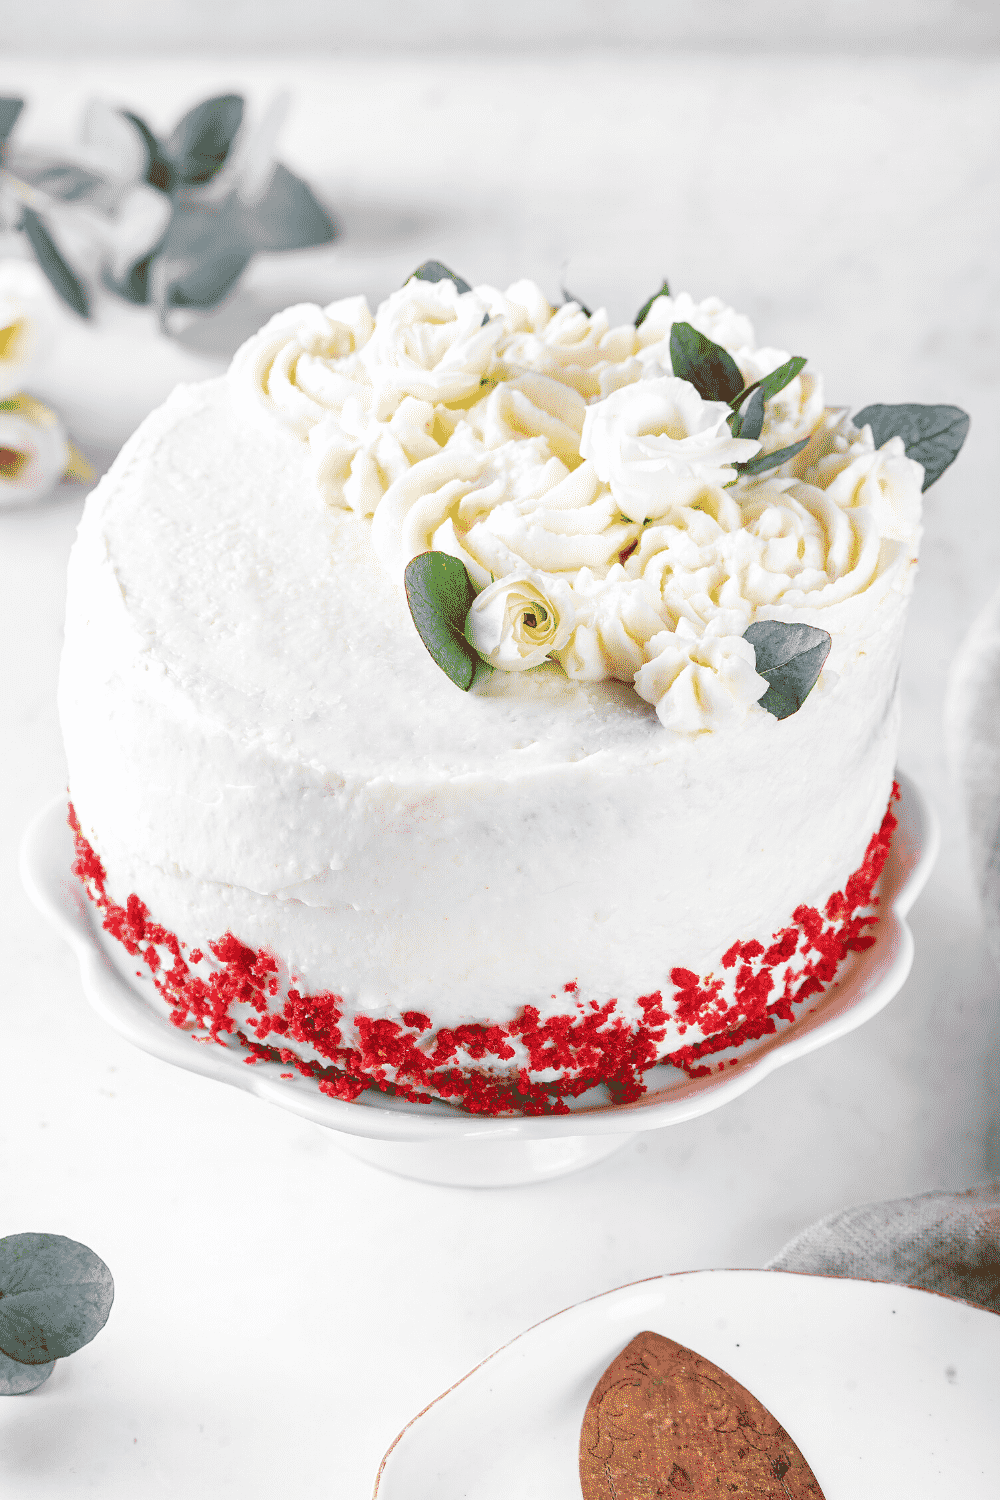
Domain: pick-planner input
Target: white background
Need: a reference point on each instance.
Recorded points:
(853, 26)
(281, 1310)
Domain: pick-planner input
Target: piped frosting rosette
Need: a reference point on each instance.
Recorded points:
(596, 499)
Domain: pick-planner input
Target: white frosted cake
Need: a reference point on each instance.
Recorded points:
(621, 844)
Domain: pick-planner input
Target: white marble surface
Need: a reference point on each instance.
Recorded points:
(282, 1309)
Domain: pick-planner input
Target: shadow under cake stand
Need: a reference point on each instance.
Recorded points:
(439, 1142)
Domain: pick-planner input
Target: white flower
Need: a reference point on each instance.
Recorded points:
(28, 323)
(657, 442)
(700, 682)
(430, 341)
(519, 620)
(34, 450)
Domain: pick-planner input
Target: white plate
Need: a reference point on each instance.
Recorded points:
(890, 1393)
(482, 1150)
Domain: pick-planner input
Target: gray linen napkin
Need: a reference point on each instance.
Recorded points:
(945, 1242)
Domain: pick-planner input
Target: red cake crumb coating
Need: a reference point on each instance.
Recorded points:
(592, 1044)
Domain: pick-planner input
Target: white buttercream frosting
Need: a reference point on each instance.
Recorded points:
(540, 443)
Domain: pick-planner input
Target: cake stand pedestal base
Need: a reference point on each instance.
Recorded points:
(475, 1162)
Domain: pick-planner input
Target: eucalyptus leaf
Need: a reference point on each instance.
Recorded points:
(117, 140)
(70, 182)
(782, 376)
(204, 252)
(159, 171)
(200, 142)
(55, 1296)
(17, 1379)
(764, 461)
(134, 285)
(287, 217)
(643, 312)
(440, 593)
(791, 658)
(750, 420)
(568, 297)
(10, 108)
(932, 435)
(433, 270)
(709, 368)
(63, 280)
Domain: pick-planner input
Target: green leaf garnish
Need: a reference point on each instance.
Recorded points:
(63, 280)
(932, 435)
(433, 270)
(55, 1296)
(568, 297)
(201, 140)
(159, 168)
(775, 382)
(764, 461)
(288, 217)
(201, 257)
(134, 285)
(10, 108)
(748, 422)
(440, 594)
(709, 368)
(643, 312)
(791, 658)
(17, 1379)
(782, 376)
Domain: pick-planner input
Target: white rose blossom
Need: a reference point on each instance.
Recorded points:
(656, 443)
(35, 452)
(520, 620)
(29, 321)
(700, 682)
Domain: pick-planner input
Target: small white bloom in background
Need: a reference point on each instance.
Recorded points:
(657, 442)
(29, 320)
(700, 682)
(35, 452)
(430, 341)
(519, 620)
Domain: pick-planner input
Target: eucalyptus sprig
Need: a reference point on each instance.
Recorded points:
(932, 435)
(55, 1296)
(791, 658)
(179, 217)
(439, 593)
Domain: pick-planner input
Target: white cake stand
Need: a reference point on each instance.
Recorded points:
(437, 1142)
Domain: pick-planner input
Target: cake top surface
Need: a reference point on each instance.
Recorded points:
(273, 616)
(618, 542)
